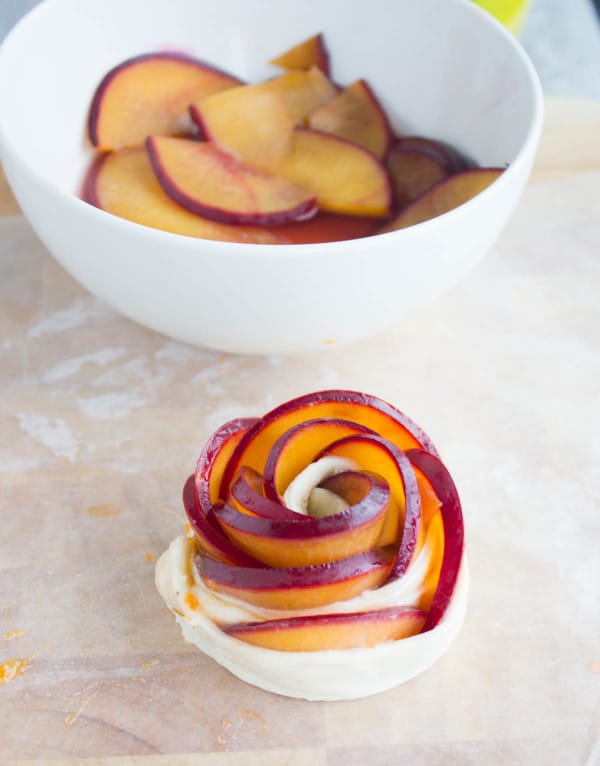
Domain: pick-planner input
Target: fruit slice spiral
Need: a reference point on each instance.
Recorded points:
(395, 504)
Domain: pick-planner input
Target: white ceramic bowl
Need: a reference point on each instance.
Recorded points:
(442, 68)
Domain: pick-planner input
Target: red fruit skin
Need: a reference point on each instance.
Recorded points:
(88, 187)
(210, 451)
(298, 526)
(207, 528)
(267, 578)
(339, 621)
(452, 519)
(412, 508)
(342, 396)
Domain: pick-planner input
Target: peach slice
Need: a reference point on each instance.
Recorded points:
(308, 53)
(344, 177)
(369, 450)
(250, 122)
(315, 633)
(291, 539)
(123, 183)
(209, 182)
(362, 409)
(443, 486)
(149, 95)
(356, 115)
(413, 173)
(444, 196)
(297, 587)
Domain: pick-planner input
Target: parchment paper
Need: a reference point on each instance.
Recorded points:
(102, 420)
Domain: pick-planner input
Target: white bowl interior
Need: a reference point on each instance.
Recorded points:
(438, 66)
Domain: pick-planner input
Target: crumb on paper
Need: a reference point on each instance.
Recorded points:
(12, 634)
(149, 557)
(13, 668)
(329, 342)
(595, 667)
(225, 726)
(251, 715)
(172, 512)
(104, 510)
(150, 664)
(70, 718)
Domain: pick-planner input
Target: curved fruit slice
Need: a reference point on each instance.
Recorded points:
(302, 92)
(149, 95)
(208, 535)
(250, 122)
(123, 183)
(298, 447)
(444, 196)
(368, 450)
(214, 458)
(301, 541)
(363, 409)
(297, 587)
(453, 160)
(344, 177)
(316, 633)
(444, 487)
(356, 115)
(308, 53)
(413, 173)
(211, 183)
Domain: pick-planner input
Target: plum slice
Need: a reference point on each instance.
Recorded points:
(308, 53)
(315, 633)
(412, 173)
(443, 485)
(444, 196)
(355, 114)
(212, 183)
(344, 177)
(453, 160)
(123, 183)
(250, 122)
(260, 530)
(297, 587)
(149, 95)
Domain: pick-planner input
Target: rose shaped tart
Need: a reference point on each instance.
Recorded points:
(325, 554)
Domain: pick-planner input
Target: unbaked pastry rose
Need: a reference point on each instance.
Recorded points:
(325, 557)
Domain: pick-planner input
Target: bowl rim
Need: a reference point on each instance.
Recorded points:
(527, 147)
